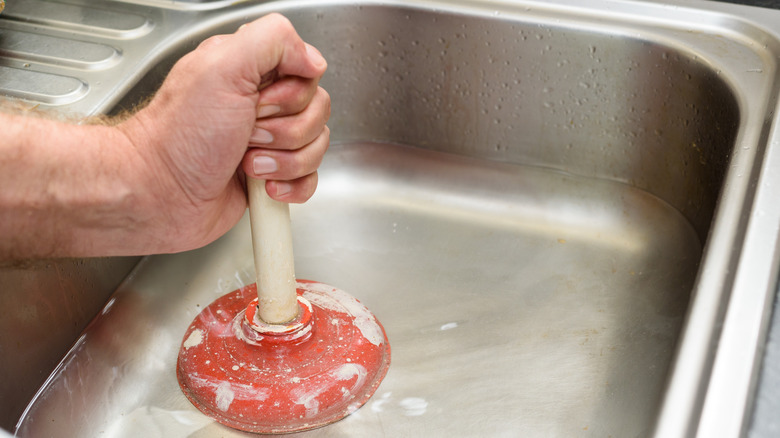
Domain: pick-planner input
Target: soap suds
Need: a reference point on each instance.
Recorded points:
(363, 318)
(225, 396)
(414, 406)
(378, 404)
(195, 338)
(449, 326)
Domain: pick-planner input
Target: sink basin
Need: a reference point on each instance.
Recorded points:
(560, 211)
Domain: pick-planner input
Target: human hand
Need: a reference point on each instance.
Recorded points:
(209, 126)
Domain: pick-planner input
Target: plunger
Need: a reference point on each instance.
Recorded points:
(281, 355)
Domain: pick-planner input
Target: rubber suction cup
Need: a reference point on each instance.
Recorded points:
(282, 378)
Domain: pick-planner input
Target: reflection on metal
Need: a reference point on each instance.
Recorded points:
(41, 87)
(581, 212)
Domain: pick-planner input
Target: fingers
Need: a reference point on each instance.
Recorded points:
(294, 191)
(292, 131)
(289, 137)
(289, 95)
(268, 43)
(296, 167)
(283, 49)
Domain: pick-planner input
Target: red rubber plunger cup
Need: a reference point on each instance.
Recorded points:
(281, 356)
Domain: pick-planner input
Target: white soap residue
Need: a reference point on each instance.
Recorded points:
(241, 391)
(378, 403)
(414, 406)
(307, 396)
(225, 392)
(195, 338)
(350, 370)
(308, 399)
(225, 396)
(326, 296)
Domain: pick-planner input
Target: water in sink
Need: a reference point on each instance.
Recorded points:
(528, 301)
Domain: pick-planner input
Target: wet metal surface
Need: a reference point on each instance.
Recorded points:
(549, 309)
(556, 209)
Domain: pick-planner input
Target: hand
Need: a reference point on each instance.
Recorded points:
(209, 126)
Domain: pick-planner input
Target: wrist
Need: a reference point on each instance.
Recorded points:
(95, 193)
(156, 202)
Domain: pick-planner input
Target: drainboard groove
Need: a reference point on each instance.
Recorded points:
(32, 47)
(78, 19)
(35, 86)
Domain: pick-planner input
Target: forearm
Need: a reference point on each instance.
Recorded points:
(67, 190)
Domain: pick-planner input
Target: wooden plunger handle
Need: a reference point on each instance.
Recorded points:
(272, 247)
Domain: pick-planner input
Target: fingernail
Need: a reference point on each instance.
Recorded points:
(263, 165)
(267, 110)
(315, 55)
(261, 136)
(283, 188)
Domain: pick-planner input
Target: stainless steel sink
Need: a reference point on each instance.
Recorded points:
(564, 214)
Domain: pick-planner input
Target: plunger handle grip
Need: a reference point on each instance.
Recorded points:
(272, 247)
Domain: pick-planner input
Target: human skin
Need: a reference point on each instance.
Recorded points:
(171, 177)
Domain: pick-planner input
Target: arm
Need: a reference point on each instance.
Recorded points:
(66, 189)
(170, 177)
